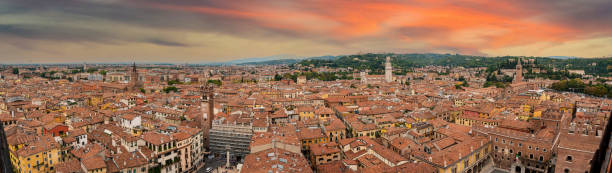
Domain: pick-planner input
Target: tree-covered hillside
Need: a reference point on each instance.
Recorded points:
(404, 62)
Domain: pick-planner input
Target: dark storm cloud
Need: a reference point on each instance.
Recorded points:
(153, 14)
(76, 34)
(590, 15)
(51, 32)
(464, 26)
(165, 42)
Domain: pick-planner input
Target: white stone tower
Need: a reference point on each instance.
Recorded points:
(388, 70)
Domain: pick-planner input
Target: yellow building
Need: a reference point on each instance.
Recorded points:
(310, 136)
(324, 113)
(95, 100)
(306, 112)
(467, 120)
(468, 156)
(335, 130)
(526, 108)
(324, 153)
(39, 156)
(368, 130)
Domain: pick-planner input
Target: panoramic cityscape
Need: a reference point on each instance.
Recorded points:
(462, 86)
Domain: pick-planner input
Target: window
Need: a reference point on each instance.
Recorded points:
(495, 139)
(530, 156)
(544, 149)
(520, 145)
(541, 158)
(529, 147)
(568, 158)
(511, 151)
(566, 170)
(537, 148)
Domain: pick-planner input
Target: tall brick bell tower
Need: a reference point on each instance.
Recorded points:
(208, 110)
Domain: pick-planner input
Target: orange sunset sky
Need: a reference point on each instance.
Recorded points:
(193, 31)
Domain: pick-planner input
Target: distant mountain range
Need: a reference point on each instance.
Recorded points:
(291, 59)
(271, 60)
(563, 57)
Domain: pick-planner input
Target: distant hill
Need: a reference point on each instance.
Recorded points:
(271, 61)
(563, 57)
(403, 63)
(254, 60)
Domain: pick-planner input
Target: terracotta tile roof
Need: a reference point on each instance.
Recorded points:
(324, 149)
(129, 160)
(92, 163)
(310, 133)
(156, 138)
(70, 166)
(276, 160)
(444, 143)
(43, 143)
(335, 125)
(89, 150)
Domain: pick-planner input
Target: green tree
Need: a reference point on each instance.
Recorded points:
(461, 78)
(15, 70)
(277, 77)
(170, 88)
(216, 82)
(172, 82)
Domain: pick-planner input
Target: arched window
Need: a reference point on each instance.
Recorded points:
(568, 158)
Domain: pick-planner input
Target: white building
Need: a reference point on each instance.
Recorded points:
(131, 121)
